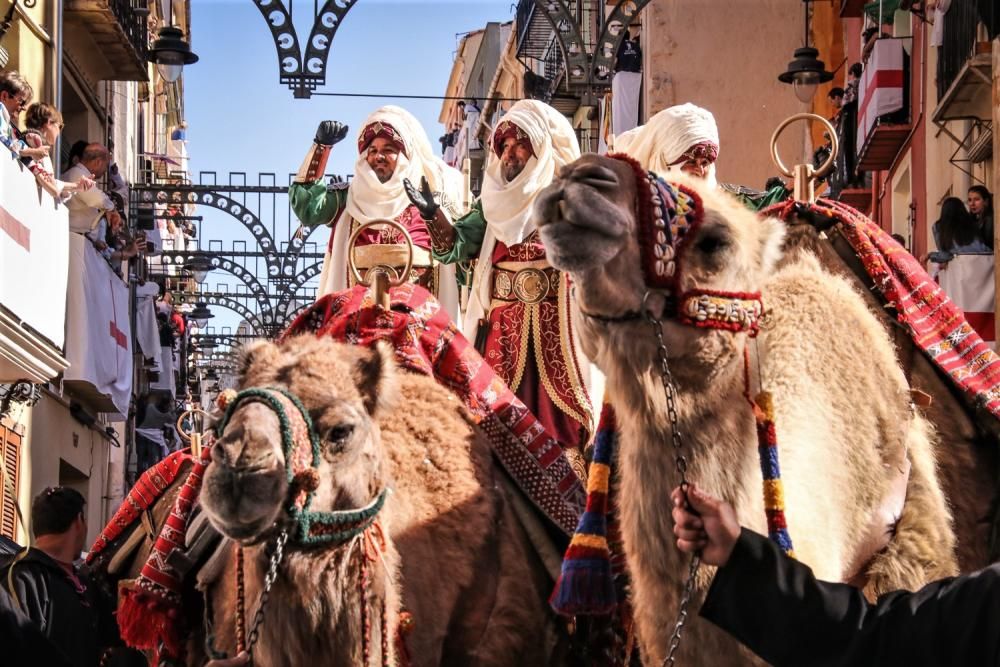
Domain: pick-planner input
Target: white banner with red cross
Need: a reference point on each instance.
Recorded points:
(98, 334)
(880, 90)
(33, 250)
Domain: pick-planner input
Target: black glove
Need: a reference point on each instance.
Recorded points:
(423, 200)
(330, 132)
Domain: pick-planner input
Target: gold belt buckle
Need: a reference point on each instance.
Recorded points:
(531, 285)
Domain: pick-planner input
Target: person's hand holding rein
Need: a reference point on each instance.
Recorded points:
(708, 526)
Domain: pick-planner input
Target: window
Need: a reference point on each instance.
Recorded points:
(10, 448)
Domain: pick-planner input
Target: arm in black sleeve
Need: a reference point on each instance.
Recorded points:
(778, 609)
(23, 643)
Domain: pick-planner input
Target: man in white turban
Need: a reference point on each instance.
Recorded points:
(518, 312)
(683, 137)
(392, 146)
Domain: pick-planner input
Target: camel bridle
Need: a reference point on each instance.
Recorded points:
(336, 529)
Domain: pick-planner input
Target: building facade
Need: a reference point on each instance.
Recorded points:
(67, 321)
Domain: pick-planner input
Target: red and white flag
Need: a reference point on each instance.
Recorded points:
(880, 90)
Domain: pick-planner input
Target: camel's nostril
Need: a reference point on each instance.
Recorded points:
(562, 208)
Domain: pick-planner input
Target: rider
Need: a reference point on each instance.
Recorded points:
(391, 146)
(518, 313)
(679, 138)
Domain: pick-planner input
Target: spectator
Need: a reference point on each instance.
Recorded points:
(15, 94)
(75, 153)
(776, 607)
(847, 175)
(48, 587)
(87, 208)
(154, 413)
(836, 97)
(853, 81)
(981, 207)
(43, 123)
(898, 238)
(956, 233)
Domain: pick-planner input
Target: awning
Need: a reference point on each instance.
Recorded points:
(968, 97)
(889, 8)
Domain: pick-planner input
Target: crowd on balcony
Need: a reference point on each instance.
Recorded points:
(461, 138)
(97, 214)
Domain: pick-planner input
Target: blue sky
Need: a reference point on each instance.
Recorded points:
(241, 119)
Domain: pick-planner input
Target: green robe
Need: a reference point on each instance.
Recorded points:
(317, 204)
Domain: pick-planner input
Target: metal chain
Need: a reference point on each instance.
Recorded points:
(272, 574)
(681, 464)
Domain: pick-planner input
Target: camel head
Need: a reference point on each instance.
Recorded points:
(602, 220)
(247, 488)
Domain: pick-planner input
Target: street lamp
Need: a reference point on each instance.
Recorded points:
(201, 315)
(199, 266)
(170, 52)
(806, 71)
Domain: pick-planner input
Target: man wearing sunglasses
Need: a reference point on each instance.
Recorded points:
(15, 94)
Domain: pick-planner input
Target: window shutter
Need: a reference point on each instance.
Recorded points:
(10, 448)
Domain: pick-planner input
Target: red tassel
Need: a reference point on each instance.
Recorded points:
(145, 621)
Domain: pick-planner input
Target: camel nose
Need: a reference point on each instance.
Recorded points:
(593, 175)
(249, 439)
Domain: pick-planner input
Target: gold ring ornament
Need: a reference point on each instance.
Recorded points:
(804, 175)
(194, 437)
(381, 276)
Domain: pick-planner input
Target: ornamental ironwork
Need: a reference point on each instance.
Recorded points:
(272, 275)
(588, 64)
(302, 64)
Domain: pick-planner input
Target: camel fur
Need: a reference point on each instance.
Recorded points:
(843, 414)
(457, 559)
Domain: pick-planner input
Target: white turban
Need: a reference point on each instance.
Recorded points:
(667, 136)
(369, 199)
(507, 206)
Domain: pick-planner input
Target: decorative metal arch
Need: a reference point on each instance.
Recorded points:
(589, 70)
(202, 195)
(259, 323)
(257, 291)
(300, 279)
(303, 72)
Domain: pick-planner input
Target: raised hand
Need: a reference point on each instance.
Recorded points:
(423, 200)
(330, 132)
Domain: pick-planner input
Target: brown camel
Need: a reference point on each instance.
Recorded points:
(457, 559)
(844, 420)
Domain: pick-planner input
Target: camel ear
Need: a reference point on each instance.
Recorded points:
(376, 378)
(252, 353)
(772, 242)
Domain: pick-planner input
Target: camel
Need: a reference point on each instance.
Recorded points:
(842, 407)
(454, 556)
(967, 442)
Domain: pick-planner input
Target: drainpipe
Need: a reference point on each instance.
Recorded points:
(58, 45)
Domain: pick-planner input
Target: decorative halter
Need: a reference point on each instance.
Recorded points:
(668, 217)
(300, 445)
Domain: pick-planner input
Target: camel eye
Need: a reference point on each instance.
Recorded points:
(338, 435)
(712, 243)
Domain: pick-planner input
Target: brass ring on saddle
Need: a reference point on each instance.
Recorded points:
(397, 278)
(804, 175)
(194, 437)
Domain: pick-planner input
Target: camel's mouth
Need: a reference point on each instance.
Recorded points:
(579, 227)
(244, 501)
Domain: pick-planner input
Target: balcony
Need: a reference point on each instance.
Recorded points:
(884, 122)
(34, 246)
(110, 36)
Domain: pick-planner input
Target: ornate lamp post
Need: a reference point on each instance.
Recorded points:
(806, 71)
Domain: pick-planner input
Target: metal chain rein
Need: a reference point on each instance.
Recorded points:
(265, 596)
(681, 464)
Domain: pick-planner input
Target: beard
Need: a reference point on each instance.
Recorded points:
(512, 170)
